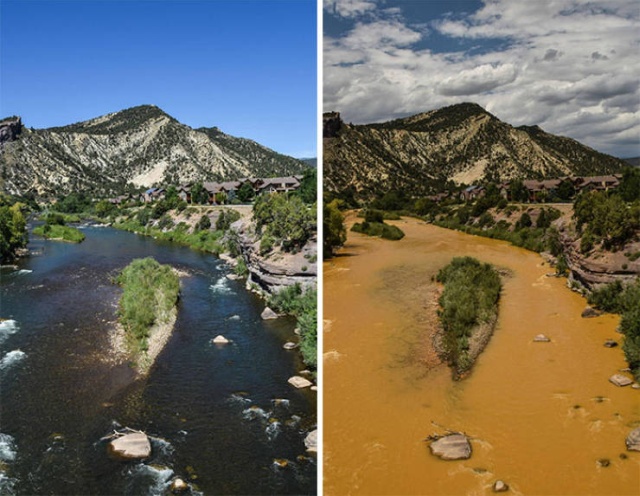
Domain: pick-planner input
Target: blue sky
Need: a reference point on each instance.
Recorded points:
(569, 66)
(245, 66)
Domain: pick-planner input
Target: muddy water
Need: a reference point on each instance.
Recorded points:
(540, 415)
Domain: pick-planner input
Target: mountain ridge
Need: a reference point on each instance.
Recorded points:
(462, 143)
(140, 146)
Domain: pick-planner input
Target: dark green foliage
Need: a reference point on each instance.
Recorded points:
(144, 216)
(624, 299)
(379, 229)
(523, 221)
(74, 203)
(104, 209)
(226, 218)
(199, 195)
(371, 215)
(54, 219)
(470, 297)
(302, 304)
(607, 217)
(334, 232)
(13, 232)
(286, 219)
(203, 224)
(629, 188)
(553, 241)
(308, 189)
(391, 200)
(518, 192)
(245, 193)
(150, 293)
(565, 191)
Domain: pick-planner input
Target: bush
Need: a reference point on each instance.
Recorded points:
(226, 218)
(470, 297)
(150, 293)
(203, 224)
(58, 232)
(335, 234)
(288, 220)
(378, 229)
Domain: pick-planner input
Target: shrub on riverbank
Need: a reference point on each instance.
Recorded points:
(150, 293)
(13, 228)
(56, 231)
(469, 299)
(300, 303)
(379, 229)
(625, 300)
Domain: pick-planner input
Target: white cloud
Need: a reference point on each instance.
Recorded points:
(570, 66)
(349, 8)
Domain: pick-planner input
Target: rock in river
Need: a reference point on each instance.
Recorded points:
(289, 345)
(620, 380)
(299, 382)
(633, 440)
(541, 338)
(134, 446)
(610, 343)
(589, 312)
(267, 314)
(220, 339)
(452, 447)
(500, 487)
(311, 441)
(178, 486)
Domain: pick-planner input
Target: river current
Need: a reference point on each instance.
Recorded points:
(219, 416)
(542, 417)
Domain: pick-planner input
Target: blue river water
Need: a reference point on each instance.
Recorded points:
(219, 416)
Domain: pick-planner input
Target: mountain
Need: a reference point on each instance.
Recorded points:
(142, 145)
(311, 162)
(463, 143)
(635, 161)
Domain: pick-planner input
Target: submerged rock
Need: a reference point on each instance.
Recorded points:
(620, 380)
(610, 343)
(311, 441)
(267, 314)
(633, 440)
(590, 312)
(299, 382)
(289, 345)
(452, 447)
(541, 338)
(500, 487)
(178, 486)
(135, 446)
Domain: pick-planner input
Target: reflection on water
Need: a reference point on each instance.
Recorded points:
(60, 393)
(540, 415)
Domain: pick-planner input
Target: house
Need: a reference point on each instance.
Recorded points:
(152, 194)
(472, 192)
(599, 183)
(184, 192)
(279, 185)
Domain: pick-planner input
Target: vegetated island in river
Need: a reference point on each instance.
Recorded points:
(55, 228)
(468, 313)
(374, 225)
(147, 310)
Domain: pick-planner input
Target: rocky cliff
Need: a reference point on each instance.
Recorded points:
(10, 128)
(463, 143)
(278, 269)
(143, 146)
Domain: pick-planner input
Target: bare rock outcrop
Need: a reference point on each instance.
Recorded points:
(134, 446)
(10, 128)
(452, 447)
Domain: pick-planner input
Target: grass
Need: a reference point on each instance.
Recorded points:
(150, 293)
(58, 232)
(469, 300)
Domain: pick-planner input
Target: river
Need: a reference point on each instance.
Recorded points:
(540, 415)
(210, 409)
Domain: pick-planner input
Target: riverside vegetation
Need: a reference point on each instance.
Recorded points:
(55, 228)
(13, 227)
(469, 310)
(374, 225)
(283, 222)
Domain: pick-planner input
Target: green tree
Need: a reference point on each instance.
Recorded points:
(246, 193)
(13, 233)
(308, 189)
(335, 233)
(199, 195)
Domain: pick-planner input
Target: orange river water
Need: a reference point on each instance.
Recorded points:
(539, 415)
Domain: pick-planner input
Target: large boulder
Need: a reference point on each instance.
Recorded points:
(620, 380)
(134, 446)
(452, 447)
(311, 441)
(633, 440)
(500, 486)
(299, 382)
(267, 314)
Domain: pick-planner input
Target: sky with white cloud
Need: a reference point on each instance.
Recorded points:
(570, 66)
